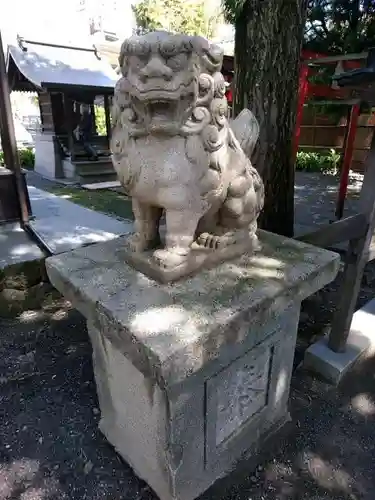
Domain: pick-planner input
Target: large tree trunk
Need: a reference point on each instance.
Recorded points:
(267, 54)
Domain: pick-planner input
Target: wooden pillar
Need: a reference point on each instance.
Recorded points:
(8, 141)
(68, 111)
(92, 109)
(356, 258)
(45, 106)
(303, 89)
(347, 158)
(107, 116)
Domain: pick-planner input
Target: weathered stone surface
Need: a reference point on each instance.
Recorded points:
(242, 392)
(174, 151)
(197, 259)
(13, 295)
(333, 366)
(14, 301)
(175, 438)
(172, 331)
(192, 376)
(23, 275)
(133, 412)
(23, 285)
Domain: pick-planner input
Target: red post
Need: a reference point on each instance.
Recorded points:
(302, 94)
(347, 159)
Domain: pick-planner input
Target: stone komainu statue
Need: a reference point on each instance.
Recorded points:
(174, 149)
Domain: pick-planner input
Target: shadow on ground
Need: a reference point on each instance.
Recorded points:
(315, 198)
(50, 447)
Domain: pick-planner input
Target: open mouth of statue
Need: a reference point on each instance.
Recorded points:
(162, 110)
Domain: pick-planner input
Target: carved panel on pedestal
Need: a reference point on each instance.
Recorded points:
(241, 394)
(237, 396)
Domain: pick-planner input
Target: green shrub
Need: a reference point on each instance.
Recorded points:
(26, 155)
(27, 158)
(100, 120)
(318, 162)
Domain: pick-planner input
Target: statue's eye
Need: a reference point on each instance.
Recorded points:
(177, 62)
(137, 62)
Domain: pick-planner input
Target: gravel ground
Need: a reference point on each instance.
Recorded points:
(50, 447)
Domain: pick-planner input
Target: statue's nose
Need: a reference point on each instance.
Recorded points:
(156, 69)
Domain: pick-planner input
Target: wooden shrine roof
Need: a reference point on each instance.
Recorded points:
(34, 65)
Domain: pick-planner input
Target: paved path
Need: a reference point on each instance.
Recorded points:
(36, 180)
(315, 198)
(16, 247)
(64, 225)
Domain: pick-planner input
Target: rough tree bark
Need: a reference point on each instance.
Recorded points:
(267, 54)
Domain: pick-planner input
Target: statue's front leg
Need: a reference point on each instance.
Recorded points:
(180, 234)
(146, 225)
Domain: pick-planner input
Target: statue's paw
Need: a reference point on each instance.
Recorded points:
(138, 242)
(215, 241)
(169, 259)
(208, 240)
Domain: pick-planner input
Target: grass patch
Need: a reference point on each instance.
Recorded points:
(108, 202)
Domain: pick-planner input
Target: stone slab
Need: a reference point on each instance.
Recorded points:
(180, 441)
(332, 365)
(199, 258)
(161, 326)
(16, 246)
(64, 226)
(102, 185)
(192, 376)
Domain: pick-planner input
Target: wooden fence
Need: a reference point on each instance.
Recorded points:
(320, 133)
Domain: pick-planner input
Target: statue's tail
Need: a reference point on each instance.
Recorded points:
(246, 130)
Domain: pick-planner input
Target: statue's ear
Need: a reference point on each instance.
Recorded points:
(212, 58)
(246, 130)
(122, 58)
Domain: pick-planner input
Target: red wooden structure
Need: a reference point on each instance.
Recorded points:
(310, 61)
(307, 90)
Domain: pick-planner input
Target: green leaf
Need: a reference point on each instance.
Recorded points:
(181, 16)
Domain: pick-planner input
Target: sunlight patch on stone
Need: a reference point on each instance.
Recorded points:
(59, 315)
(28, 316)
(363, 404)
(282, 385)
(20, 250)
(327, 475)
(33, 494)
(158, 320)
(14, 474)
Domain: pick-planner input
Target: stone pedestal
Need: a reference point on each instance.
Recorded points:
(194, 375)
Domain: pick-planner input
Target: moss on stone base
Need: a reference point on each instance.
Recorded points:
(23, 287)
